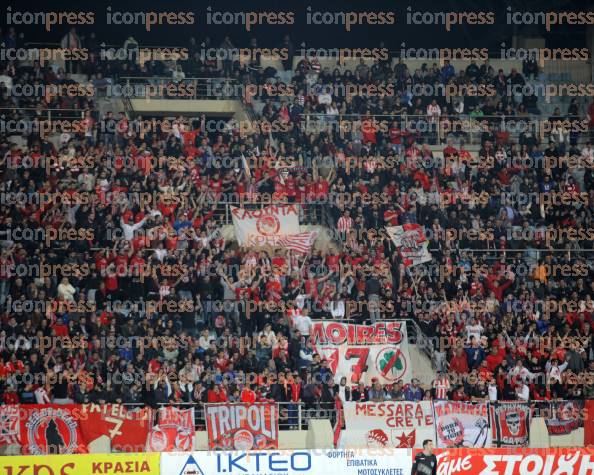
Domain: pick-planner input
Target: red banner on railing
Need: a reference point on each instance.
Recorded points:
(517, 461)
(174, 432)
(10, 428)
(510, 422)
(242, 426)
(51, 429)
(44, 429)
(589, 423)
(127, 429)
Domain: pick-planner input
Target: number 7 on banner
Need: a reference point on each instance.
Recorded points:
(361, 366)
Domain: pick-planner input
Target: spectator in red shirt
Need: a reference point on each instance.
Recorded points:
(248, 395)
(460, 395)
(495, 358)
(59, 328)
(459, 362)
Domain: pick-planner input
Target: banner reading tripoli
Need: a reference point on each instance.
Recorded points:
(411, 243)
(265, 226)
(393, 424)
(242, 426)
(364, 352)
(510, 423)
(51, 429)
(520, 461)
(462, 424)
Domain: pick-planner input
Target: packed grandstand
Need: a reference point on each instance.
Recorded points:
(181, 260)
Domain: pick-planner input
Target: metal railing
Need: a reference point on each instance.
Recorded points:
(292, 415)
(422, 128)
(138, 87)
(30, 113)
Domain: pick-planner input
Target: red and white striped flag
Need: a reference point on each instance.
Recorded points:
(301, 242)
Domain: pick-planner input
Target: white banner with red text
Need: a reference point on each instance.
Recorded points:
(364, 353)
(265, 226)
(462, 424)
(390, 424)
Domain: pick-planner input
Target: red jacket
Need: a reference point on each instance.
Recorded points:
(247, 395)
(499, 289)
(212, 396)
(495, 360)
(459, 364)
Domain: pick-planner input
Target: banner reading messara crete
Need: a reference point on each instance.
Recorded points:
(520, 461)
(265, 226)
(462, 424)
(393, 424)
(364, 352)
(242, 426)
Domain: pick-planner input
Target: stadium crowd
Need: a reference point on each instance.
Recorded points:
(117, 283)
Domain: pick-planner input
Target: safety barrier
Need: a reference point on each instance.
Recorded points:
(572, 460)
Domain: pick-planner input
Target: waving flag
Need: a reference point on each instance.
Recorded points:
(411, 243)
(300, 243)
(510, 423)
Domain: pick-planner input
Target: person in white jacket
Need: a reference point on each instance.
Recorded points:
(129, 229)
(554, 371)
(65, 290)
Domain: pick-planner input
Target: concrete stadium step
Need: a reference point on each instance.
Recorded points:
(81, 78)
(422, 368)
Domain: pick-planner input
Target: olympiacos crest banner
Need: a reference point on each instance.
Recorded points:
(265, 226)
